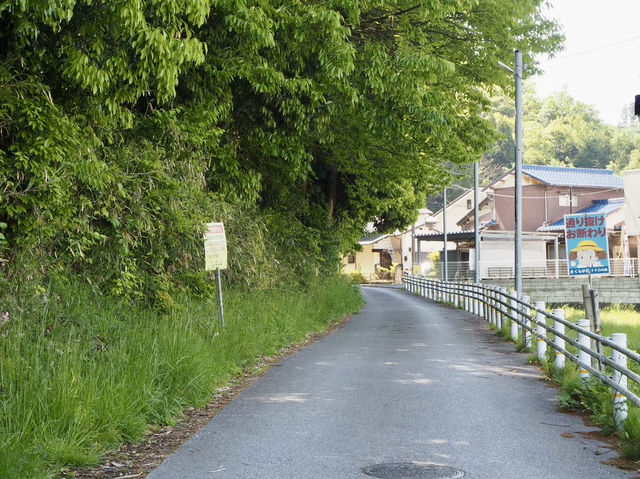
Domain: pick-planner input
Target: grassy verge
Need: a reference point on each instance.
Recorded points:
(81, 373)
(592, 396)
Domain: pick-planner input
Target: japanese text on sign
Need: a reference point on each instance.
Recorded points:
(215, 247)
(587, 245)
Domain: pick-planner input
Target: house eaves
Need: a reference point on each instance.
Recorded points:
(606, 207)
(372, 238)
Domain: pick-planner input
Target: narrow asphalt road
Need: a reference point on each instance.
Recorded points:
(404, 381)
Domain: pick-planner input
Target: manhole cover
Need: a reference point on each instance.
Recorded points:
(418, 470)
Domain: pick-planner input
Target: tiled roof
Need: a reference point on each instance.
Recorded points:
(607, 206)
(578, 177)
(372, 238)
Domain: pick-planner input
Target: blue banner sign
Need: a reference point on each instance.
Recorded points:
(587, 244)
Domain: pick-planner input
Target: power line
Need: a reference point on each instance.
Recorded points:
(552, 196)
(595, 49)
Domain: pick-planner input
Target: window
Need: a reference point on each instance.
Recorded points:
(351, 258)
(568, 200)
(469, 204)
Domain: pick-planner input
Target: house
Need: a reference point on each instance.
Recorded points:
(548, 193)
(631, 180)
(631, 231)
(381, 251)
(378, 251)
(413, 259)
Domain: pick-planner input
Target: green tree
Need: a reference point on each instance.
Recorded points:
(560, 131)
(125, 126)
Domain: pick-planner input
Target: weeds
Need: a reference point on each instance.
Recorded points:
(81, 373)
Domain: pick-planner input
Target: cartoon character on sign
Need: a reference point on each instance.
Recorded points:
(588, 254)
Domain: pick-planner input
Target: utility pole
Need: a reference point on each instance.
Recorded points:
(518, 172)
(445, 272)
(476, 221)
(518, 192)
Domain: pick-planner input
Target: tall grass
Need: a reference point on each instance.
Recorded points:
(592, 396)
(82, 373)
(615, 319)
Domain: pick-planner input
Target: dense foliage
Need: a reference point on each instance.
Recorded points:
(561, 131)
(125, 126)
(81, 373)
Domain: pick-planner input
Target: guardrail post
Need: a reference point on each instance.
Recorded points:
(620, 410)
(583, 357)
(526, 310)
(466, 296)
(476, 300)
(454, 293)
(502, 320)
(481, 306)
(486, 296)
(515, 307)
(492, 311)
(541, 332)
(558, 341)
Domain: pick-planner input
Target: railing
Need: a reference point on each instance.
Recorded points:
(522, 319)
(461, 270)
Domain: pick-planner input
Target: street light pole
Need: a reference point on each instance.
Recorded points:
(518, 172)
(476, 222)
(445, 276)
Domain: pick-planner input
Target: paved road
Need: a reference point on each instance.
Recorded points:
(405, 381)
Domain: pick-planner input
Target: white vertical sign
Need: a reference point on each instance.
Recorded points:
(215, 247)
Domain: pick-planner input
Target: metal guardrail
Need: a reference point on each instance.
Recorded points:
(534, 269)
(504, 310)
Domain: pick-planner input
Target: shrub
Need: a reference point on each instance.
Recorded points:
(356, 277)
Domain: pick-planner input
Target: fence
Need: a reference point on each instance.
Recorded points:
(504, 310)
(461, 270)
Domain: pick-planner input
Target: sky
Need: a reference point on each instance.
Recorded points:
(600, 65)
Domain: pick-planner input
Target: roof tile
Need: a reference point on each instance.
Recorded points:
(578, 177)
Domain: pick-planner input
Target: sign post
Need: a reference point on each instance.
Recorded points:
(587, 244)
(215, 257)
(588, 255)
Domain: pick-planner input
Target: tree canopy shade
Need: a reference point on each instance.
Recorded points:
(126, 125)
(563, 132)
